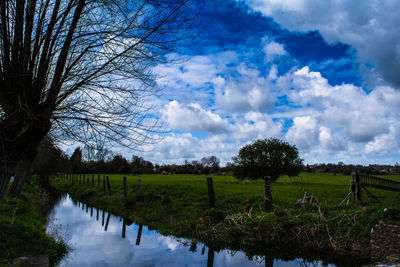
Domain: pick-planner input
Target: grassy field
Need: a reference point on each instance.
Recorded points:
(191, 190)
(178, 205)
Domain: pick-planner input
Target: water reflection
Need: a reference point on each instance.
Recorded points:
(100, 244)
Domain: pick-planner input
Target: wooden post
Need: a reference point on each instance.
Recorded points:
(355, 188)
(88, 179)
(104, 182)
(210, 186)
(140, 190)
(92, 179)
(125, 190)
(123, 228)
(102, 221)
(91, 211)
(108, 185)
(98, 180)
(108, 220)
(97, 214)
(139, 234)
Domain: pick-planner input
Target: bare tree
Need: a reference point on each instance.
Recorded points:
(80, 68)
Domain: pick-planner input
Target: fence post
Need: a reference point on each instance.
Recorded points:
(125, 190)
(92, 178)
(104, 182)
(210, 187)
(139, 235)
(98, 180)
(140, 190)
(88, 179)
(108, 220)
(123, 228)
(108, 185)
(355, 187)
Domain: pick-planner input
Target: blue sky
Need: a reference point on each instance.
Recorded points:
(323, 75)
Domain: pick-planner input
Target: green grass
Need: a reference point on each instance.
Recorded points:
(22, 229)
(191, 190)
(178, 204)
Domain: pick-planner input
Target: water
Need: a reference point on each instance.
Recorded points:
(99, 238)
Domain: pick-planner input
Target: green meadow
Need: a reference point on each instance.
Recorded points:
(330, 190)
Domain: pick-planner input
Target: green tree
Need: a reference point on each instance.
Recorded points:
(267, 159)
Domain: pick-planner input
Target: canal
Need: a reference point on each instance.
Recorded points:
(98, 238)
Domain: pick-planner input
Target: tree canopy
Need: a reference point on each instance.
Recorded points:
(79, 69)
(267, 158)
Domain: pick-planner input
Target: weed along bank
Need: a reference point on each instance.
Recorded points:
(313, 215)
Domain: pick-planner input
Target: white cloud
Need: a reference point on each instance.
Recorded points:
(247, 92)
(273, 50)
(176, 147)
(304, 133)
(342, 120)
(385, 144)
(370, 27)
(193, 118)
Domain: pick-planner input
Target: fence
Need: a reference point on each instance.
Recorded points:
(76, 178)
(359, 181)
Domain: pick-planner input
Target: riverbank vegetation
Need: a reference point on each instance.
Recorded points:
(311, 212)
(22, 228)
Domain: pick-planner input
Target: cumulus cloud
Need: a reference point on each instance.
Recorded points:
(247, 91)
(273, 50)
(193, 117)
(304, 132)
(341, 118)
(370, 27)
(189, 78)
(176, 147)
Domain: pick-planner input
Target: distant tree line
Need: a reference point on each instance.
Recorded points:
(206, 165)
(51, 160)
(346, 169)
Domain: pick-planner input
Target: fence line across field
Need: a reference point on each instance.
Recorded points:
(106, 181)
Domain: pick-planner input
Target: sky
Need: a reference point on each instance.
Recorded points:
(322, 75)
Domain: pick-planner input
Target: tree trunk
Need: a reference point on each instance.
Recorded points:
(5, 176)
(19, 139)
(22, 175)
(267, 194)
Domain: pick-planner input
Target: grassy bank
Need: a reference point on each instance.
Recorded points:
(22, 228)
(178, 205)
